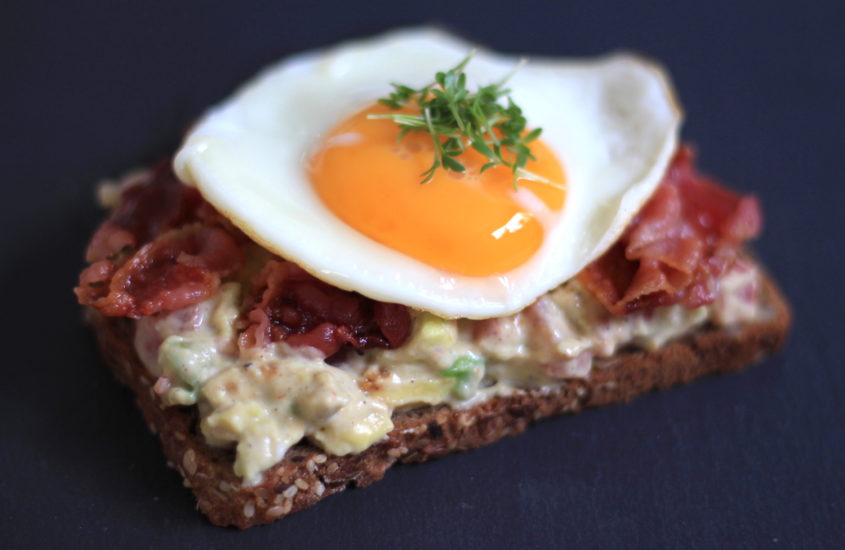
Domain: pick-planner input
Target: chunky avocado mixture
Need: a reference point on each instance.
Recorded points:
(263, 400)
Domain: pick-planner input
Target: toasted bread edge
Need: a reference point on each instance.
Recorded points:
(307, 475)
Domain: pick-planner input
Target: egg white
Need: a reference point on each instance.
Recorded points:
(613, 122)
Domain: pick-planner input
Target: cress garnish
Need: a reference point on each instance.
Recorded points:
(457, 119)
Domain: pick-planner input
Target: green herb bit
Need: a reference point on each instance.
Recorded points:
(457, 119)
(462, 367)
(462, 370)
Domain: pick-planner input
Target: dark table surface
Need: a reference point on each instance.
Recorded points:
(752, 460)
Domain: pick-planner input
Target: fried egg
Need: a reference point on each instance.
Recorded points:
(294, 160)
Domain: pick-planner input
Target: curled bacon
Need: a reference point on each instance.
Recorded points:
(675, 249)
(162, 248)
(290, 305)
(179, 268)
(157, 203)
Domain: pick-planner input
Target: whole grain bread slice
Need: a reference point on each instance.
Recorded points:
(307, 475)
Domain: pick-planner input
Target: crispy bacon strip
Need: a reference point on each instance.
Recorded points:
(290, 305)
(146, 210)
(179, 268)
(674, 250)
(163, 248)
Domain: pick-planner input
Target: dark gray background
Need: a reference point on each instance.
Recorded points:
(753, 460)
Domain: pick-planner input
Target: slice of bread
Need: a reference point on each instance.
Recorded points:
(307, 475)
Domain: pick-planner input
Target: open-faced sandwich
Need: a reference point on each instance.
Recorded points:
(403, 247)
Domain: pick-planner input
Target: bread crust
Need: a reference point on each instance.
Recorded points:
(306, 474)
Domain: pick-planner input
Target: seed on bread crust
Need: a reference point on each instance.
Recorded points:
(189, 462)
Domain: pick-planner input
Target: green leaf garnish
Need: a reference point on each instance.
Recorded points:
(462, 367)
(462, 370)
(457, 119)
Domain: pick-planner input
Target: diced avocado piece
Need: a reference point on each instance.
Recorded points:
(227, 310)
(188, 363)
(180, 396)
(435, 331)
(231, 422)
(181, 360)
(431, 390)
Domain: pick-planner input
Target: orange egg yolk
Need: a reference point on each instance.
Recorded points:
(469, 223)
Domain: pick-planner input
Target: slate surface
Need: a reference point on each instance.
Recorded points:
(754, 460)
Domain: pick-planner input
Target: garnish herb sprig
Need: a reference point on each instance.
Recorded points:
(457, 119)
